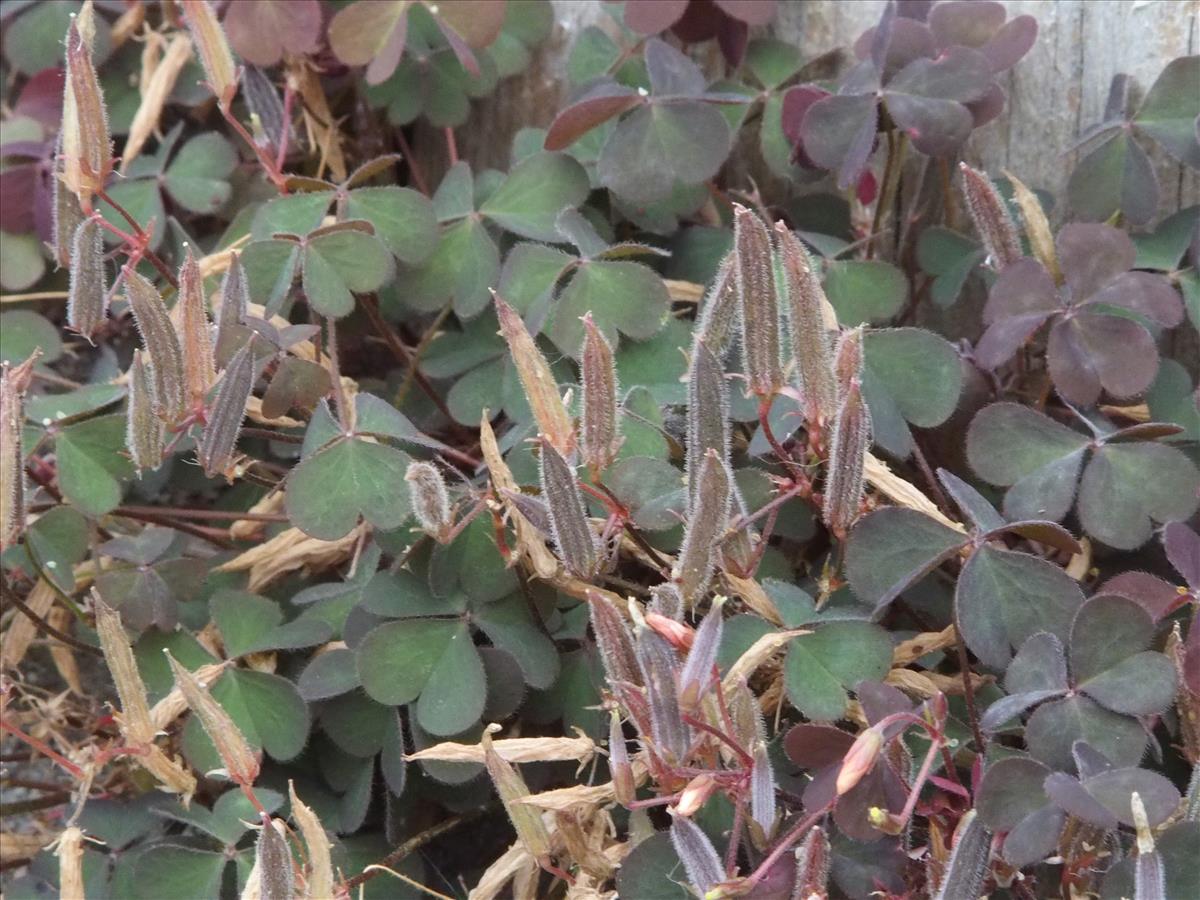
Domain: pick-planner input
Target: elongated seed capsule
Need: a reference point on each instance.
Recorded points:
(1037, 227)
(717, 325)
(991, 217)
(969, 859)
(65, 212)
(220, 434)
(666, 600)
(87, 294)
(1149, 880)
(143, 427)
(234, 299)
(659, 665)
(118, 656)
(195, 333)
(531, 508)
(526, 820)
(240, 762)
(762, 789)
(710, 513)
(697, 671)
(624, 789)
(810, 336)
(847, 458)
(86, 148)
(859, 759)
(161, 343)
(316, 842)
(812, 866)
(707, 414)
(748, 724)
(14, 382)
(614, 642)
(696, 852)
(536, 378)
(273, 862)
(430, 500)
(758, 302)
(213, 48)
(848, 360)
(600, 435)
(573, 535)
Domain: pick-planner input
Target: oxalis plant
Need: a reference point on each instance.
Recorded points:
(378, 525)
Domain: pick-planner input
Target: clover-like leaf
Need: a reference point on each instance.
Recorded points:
(351, 478)
(198, 177)
(91, 464)
(950, 258)
(822, 666)
(1169, 111)
(892, 549)
(865, 290)
(625, 297)
(262, 32)
(909, 376)
(1054, 727)
(336, 264)
(403, 219)
(530, 199)
(252, 624)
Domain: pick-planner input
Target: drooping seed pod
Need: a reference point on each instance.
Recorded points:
(717, 324)
(666, 601)
(659, 665)
(161, 343)
(696, 852)
(87, 293)
(65, 212)
(969, 859)
(748, 724)
(812, 866)
(526, 820)
(143, 427)
(847, 459)
(624, 789)
(707, 414)
(241, 764)
(1149, 879)
(848, 360)
(536, 378)
(991, 217)
(316, 842)
(573, 536)
(118, 656)
(1037, 227)
(698, 669)
(758, 302)
(14, 383)
(762, 790)
(430, 500)
(600, 435)
(214, 50)
(86, 148)
(710, 513)
(195, 333)
(693, 797)
(235, 297)
(219, 437)
(614, 642)
(859, 759)
(809, 331)
(273, 862)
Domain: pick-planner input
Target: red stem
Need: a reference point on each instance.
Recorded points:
(43, 748)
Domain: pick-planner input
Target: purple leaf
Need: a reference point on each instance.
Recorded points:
(1040, 665)
(814, 747)
(1142, 292)
(909, 40)
(989, 106)
(1183, 550)
(671, 72)
(262, 32)
(1010, 44)
(969, 23)
(1043, 532)
(796, 103)
(595, 107)
(1034, 838)
(839, 133)
(1157, 597)
(653, 16)
(1091, 256)
(1089, 352)
(1010, 790)
(1069, 795)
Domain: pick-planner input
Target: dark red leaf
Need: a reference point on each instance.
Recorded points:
(1157, 597)
(910, 40)
(733, 38)
(1141, 292)
(1091, 255)
(796, 102)
(868, 188)
(653, 16)
(1008, 45)
(671, 72)
(1090, 352)
(41, 98)
(18, 187)
(967, 23)
(987, 107)
(1145, 431)
(839, 133)
(594, 108)
(1183, 550)
(816, 746)
(752, 12)
(262, 32)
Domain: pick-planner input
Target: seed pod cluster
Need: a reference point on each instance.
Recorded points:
(697, 672)
(430, 500)
(614, 642)
(717, 325)
(215, 54)
(809, 334)
(624, 789)
(991, 217)
(573, 536)
(762, 790)
(707, 414)
(195, 333)
(758, 302)
(698, 555)
(600, 436)
(161, 343)
(86, 148)
(241, 764)
(851, 440)
(273, 862)
(219, 437)
(64, 210)
(537, 380)
(812, 866)
(969, 859)
(234, 299)
(87, 294)
(659, 666)
(143, 427)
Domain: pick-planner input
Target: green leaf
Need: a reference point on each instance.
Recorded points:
(198, 178)
(950, 258)
(1116, 176)
(92, 464)
(330, 490)
(472, 566)
(142, 199)
(403, 219)
(653, 869)
(651, 489)
(34, 40)
(865, 290)
(821, 666)
(892, 549)
(625, 297)
(21, 261)
(1004, 597)
(1127, 488)
(48, 408)
(266, 708)
(535, 192)
(529, 275)
(1172, 398)
(916, 373)
(331, 674)
(1054, 727)
(59, 539)
(251, 624)
(270, 270)
(1169, 111)
(1163, 248)
(340, 264)
(172, 872)
(293, 214)
(773, 61)
(461, 269)
(592, 54)
(402, 595)
(356, 723)
(510, 625)
(22, 331)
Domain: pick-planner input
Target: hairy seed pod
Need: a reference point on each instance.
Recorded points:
(573, 535)
(240, 762)
(537, 380)
(810, 334)
(235, 298)
(707, 414)
(718, 322)
(161, 343)
(220, 434)
(969, 859)
(859, 759)
(430, 500)
(613, 641)
(748, 724)
(273, 862)
(87, 294)
(848, 360)
(14, 383)
(316, 842)
(86, 148)
(214, 50)
(696, 852)
(698, 554)
(758, 302)
(991, 217)
(118, 656)
(847, 458)
(1037, 227)
(812, 866)
(531, 508)
(762, 790)
(64, 211)
(666, 600)
(526, 820)
(1148, 877)
(143, 427)
(697, 672)
(195, 333)
(659, 666)
(600, 436)
(624, 789)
